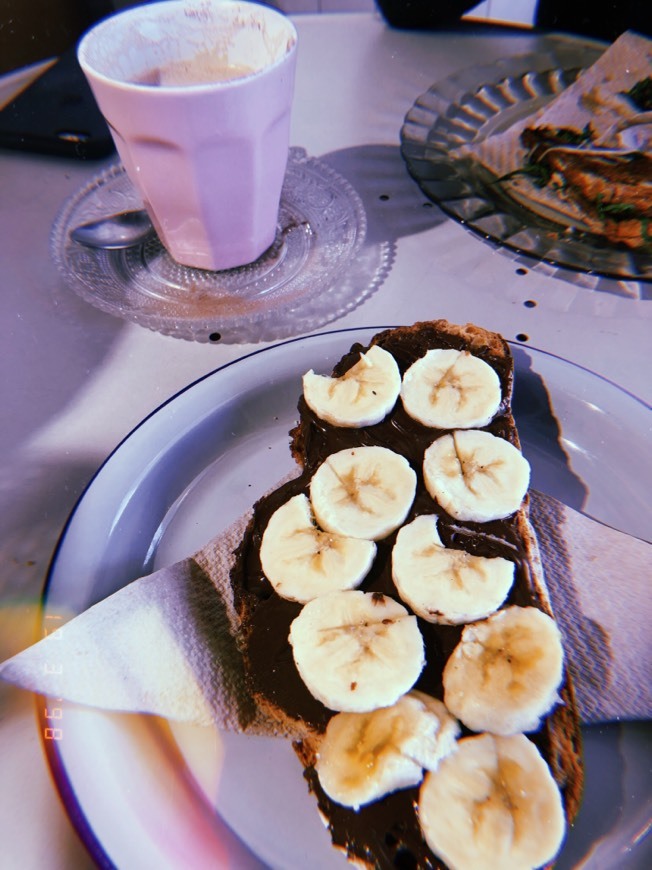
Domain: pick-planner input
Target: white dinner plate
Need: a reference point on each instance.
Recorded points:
(145, 794)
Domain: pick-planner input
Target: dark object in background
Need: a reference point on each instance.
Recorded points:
(57, 114)
(602, 19)
(423, 14)
(35, 30)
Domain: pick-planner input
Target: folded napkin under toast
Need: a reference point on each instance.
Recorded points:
(167, 643)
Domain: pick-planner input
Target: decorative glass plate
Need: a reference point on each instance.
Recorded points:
(477, 102)
(318, 268)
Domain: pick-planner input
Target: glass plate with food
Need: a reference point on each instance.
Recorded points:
(547, 154)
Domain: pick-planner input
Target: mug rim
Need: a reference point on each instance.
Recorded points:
(149, 10)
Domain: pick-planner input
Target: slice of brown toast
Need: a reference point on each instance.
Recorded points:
(386, 833)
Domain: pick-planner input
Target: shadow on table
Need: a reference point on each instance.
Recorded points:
(395, 206)
(63, 355)
(36, 500)
(541, 434)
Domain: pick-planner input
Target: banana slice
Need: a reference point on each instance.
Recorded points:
(451, 389)
(476, 476)
(363, 396)
(356, 651)
(363, 492)
(365, 756)
(302, 562)
(492, 803)
(444, 585)
(504, 674)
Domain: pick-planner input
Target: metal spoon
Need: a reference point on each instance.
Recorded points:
(115, 232)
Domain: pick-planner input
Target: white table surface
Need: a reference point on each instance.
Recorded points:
(75, 381)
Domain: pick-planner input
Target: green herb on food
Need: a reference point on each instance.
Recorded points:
(538, 173)
(615, 210)
(645, 231)
(569, 136)
(641, 94)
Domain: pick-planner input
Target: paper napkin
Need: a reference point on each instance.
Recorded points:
(166, 644)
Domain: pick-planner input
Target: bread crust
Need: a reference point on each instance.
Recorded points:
(559, 738)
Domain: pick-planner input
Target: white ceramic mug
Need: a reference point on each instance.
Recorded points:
(198, 95)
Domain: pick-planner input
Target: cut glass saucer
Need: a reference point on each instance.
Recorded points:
(318, 268)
